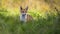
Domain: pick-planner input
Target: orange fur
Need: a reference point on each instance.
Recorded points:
(29, 18)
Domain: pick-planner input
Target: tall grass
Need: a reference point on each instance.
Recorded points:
(12, 24)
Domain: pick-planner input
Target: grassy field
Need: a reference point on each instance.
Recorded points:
(48, 23)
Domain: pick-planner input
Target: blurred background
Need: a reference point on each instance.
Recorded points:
(45, 12)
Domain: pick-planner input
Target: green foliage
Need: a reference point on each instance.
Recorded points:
(12, 24)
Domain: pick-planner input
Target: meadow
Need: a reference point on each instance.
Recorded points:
(47, 20)
(49, 24)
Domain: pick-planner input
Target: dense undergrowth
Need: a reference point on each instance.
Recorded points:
(12, 25)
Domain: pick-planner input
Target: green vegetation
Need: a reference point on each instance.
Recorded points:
(12, 24)
(47, 17)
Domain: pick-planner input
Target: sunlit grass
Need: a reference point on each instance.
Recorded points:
(10, 22)
(47, 21)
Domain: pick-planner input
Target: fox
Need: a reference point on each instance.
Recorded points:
(24, 16)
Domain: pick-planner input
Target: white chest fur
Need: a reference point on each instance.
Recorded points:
(23, 17)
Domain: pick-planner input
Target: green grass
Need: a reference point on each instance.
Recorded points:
(12, 25)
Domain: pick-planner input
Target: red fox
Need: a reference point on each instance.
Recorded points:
(24, 16)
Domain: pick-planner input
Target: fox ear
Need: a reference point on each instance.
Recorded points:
(20, 7)
(26, 8)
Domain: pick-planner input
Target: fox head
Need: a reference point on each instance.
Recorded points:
(23, 10)
(24, 16)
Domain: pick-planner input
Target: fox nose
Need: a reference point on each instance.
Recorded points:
(22, 11)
